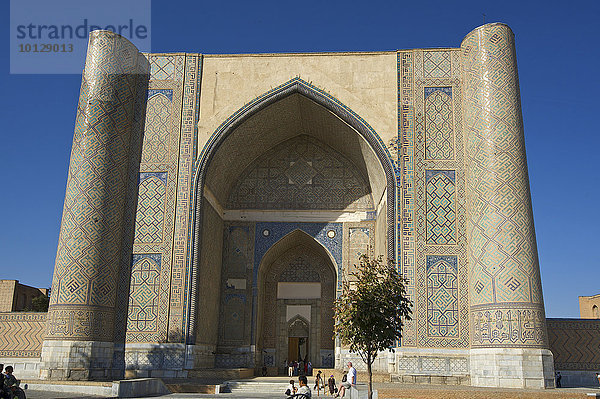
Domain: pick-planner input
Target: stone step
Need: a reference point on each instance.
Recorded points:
(256, 386)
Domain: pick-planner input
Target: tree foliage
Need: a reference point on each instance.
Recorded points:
(371, 310)
(39, 304)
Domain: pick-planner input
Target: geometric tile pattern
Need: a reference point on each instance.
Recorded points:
(158, 127)
(87, 263)
(422, 191)
(502, 248)
(575, 343)
(182, 286)
(439, 137)
(22, 334)
(441, 207)
(436, 64)
(442, 296)
(155, 203)
(162, 68)
(406, 185)
(144, 293)
(301, 173)
(151, 207)
(427, 364)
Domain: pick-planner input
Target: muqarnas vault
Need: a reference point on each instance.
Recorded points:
(214, 203)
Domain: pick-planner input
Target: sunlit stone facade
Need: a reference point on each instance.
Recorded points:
(216, 202)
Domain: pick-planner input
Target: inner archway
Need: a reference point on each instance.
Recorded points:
(297, 286)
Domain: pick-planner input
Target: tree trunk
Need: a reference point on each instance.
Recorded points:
(370, 372)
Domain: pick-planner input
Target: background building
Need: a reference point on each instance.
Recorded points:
(16, 297)
(588, 307)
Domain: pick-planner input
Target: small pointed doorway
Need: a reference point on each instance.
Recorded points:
(298, 333)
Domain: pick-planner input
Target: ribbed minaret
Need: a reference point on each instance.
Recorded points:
(509, 346)
(81, 318)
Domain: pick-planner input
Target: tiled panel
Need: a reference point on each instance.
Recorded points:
(441, 207)
(360, 241)
(144, 293)
(433, 187)
(439, 135)
(235, 309)
(437, 64)
(149, 222)
(180, 272)
(406, 183)
(158, 126)
(442, 296)
(155, 214)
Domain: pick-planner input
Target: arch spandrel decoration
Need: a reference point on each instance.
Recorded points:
(294, 86)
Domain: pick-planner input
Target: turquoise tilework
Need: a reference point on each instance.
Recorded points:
(506, 302)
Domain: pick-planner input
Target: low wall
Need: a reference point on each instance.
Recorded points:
(22, 334)
(21, 343)
(575, 344)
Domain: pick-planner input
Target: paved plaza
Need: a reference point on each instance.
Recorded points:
(387, 391)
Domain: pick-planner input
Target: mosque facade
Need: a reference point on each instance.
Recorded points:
(216, 203)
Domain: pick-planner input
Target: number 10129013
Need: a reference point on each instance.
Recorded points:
(45, 48)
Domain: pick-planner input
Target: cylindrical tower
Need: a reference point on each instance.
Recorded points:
(81, 318)
(508, 330)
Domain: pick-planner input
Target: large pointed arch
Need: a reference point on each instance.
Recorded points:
(320, 97)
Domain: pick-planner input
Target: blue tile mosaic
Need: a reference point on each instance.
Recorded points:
(165, 92)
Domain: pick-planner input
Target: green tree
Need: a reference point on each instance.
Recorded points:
(370, 312)
(40, 304)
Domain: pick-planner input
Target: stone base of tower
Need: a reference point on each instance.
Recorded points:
(81, 360)
(512, 368)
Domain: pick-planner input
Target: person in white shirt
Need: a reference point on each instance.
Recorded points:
(304, 389)
(350, 380)
(351, 374)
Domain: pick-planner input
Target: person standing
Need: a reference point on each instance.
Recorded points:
(331, 385)
(558, 378)
(318, 383)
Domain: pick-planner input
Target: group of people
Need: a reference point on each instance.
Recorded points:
(9, 385)
(304, 391)
(299, 367)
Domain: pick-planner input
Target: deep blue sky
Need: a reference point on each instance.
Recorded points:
(559, 63)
